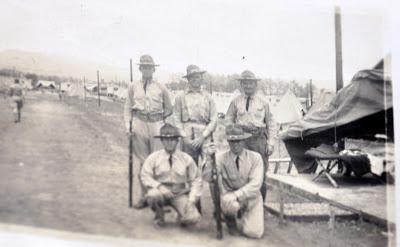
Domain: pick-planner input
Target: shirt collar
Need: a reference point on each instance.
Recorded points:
(149, 82)
(190, 90)
(234, 156)
(173, 154)
(251, 96)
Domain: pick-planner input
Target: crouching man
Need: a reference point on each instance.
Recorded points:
(241, 174)
(172, 179)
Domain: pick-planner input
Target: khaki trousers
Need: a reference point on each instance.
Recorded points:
(144, 144)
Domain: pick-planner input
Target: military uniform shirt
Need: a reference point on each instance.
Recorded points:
(246, 181)
(157, 170)
(257, 114)
(192, 106)
(155, 100)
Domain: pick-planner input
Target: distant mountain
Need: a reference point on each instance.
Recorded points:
(46, 64)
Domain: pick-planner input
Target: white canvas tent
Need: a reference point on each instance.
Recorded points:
(288, 110)
(46, 84)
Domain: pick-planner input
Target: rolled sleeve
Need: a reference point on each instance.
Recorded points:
(212, 125)
(168, 109)
(230, 116)
(178, 115)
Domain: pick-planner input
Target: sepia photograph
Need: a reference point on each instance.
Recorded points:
(197, 123)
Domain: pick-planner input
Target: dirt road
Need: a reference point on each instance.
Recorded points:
(65, 167)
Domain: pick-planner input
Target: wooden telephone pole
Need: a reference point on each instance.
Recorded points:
(338, 46)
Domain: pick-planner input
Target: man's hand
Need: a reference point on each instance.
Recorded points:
(198, 142)
(230, 203)
(210, 149)
(270, 149)
(165, 192)
(230, 198)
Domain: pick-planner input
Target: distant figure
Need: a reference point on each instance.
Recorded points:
(147, 106)
(172, 179)
(17, 96)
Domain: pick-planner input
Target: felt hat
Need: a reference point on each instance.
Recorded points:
(248, 76)
(147, 60)
(168, 131)
(192, 70)
(235, 133)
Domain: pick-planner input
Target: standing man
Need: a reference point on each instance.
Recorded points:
(251, 113)
(147, 105)
(17, 96)
(195, 115)
(240, 179)
(172, 179)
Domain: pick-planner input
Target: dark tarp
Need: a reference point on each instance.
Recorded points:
(357, 111)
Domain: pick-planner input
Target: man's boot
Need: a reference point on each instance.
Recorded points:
(142, 203)
(231, 224)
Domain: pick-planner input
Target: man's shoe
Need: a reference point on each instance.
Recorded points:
(141, 204)
(159, 222)
(232, 231)
(231, 225)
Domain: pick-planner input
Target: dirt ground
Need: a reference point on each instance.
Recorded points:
(65, 167)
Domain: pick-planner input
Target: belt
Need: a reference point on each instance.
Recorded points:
(148, 117)
(196, 122)
(253, 130)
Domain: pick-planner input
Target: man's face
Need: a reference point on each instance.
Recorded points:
(249, 86)
(236, 147)
(147, 71)
(195, 80)
(170, 144)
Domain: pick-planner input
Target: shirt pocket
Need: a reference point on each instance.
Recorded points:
(156, 100)
(161, 171)
(180, 175)
(259, 111)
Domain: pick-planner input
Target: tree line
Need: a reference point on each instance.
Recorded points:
(228, 83)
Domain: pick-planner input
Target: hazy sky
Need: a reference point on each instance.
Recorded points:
(286, 40)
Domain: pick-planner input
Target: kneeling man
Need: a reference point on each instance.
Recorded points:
(241, 174)
(172, 179)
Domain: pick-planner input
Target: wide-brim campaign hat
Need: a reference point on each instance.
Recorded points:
(235, 133)
(192, 70)
(247, 75)
(168, 131)
(147, 60)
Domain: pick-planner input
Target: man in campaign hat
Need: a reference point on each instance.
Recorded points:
(251, 112)
(240, 179)
(172, 179)
(195, 114)
(147, 106)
